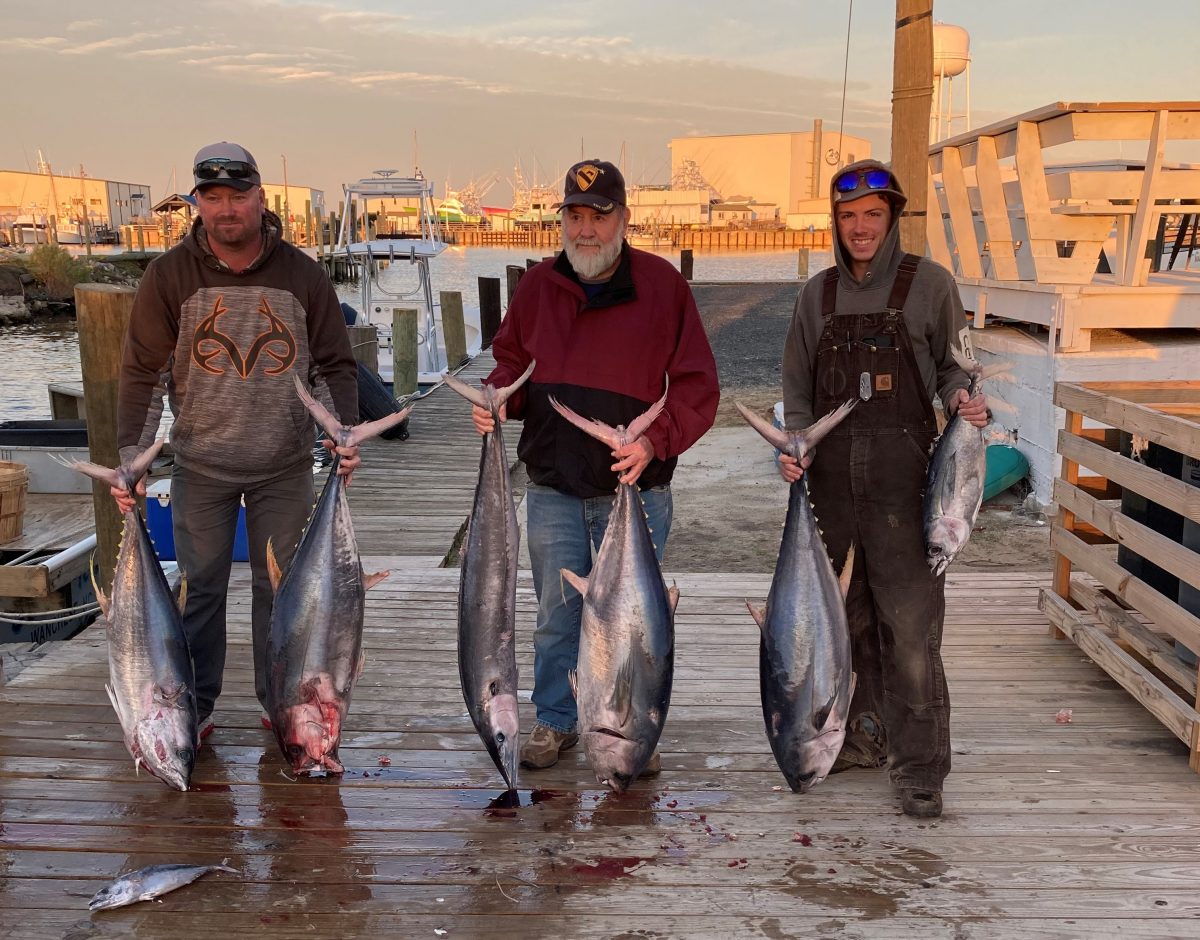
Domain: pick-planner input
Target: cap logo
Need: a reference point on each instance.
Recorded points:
(586, 175)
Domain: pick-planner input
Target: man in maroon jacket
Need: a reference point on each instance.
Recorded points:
(605, 323)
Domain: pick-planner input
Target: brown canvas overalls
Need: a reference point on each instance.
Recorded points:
(866, 484)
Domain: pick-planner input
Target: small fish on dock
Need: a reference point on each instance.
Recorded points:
(151, 882)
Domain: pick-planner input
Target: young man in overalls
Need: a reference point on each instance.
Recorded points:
(894, 317)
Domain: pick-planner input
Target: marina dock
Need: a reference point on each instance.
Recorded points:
(1052, 829)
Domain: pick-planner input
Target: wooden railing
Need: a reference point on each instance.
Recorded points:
(1048, 224)
(1124, 624)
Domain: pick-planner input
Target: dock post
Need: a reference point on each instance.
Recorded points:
(489, 309)
(530, 262)
(515, 272)
(802, 264)
(102, 314)
(685, 263)
(364, 344)
(318, 234)
(404, 351)
(454, 329)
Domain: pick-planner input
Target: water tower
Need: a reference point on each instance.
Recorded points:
(951, 59)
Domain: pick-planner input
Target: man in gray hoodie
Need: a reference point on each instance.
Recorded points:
(894, 317)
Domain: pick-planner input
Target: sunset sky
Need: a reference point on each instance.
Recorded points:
(131, 89)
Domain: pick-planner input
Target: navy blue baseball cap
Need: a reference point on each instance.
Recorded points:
(596, 184)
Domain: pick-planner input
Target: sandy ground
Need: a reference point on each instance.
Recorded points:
(729, 502)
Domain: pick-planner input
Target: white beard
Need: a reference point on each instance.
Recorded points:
(591, 264)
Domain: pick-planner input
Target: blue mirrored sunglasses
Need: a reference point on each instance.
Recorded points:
(849, 181)
(233, 169)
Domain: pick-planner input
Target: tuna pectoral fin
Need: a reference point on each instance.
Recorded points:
(573, 682)
(759, 614)
(116, 704)
(362, 661)
(621, 702)
(578, 583)
(101, 597)
(847, 571)
(370, 580)
(273, 571)
(673, 597)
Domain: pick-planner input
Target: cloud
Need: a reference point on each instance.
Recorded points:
(180, 50)
(31, 42)
(113, 42)
(79, 26)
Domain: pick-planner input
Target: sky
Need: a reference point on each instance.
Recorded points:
(130, 89)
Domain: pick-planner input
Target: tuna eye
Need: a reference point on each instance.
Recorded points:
(295, 750)
(493, 689)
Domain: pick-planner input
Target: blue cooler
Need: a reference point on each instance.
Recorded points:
(158, 521)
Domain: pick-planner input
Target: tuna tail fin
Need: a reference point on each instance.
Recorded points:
(611, 436)
(370, 580)
(797, 443)
(759, 614)
(578, 583)
(504, 394)
(847, 570)
(333, 427)
(370, 429)
(481, 396)
(776, 437)
(273, 570)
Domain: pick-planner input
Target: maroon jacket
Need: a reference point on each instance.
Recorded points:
(605, 358)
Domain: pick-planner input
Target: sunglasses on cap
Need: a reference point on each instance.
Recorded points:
(873, 178)
(233, 169)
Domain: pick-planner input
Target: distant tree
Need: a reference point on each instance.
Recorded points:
(57, 271)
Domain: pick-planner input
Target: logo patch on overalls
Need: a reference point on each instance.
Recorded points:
(883, 383)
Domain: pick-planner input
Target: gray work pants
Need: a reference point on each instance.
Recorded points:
(204, 517)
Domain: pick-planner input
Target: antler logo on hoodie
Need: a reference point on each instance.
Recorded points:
(277, 342)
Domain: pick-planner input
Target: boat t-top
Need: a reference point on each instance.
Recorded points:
(422, 240)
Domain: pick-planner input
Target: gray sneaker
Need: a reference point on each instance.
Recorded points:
(543, 746)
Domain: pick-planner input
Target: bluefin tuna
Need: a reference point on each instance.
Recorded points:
(151, 681)
(956, 478)
(622, 683)
(151, 882)
(487, 591)
(314, 643)
(805, 673)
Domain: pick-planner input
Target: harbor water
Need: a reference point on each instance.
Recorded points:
(47, 350)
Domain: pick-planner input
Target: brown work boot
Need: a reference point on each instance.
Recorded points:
(544, 744)
(920, 802)
(865, 745)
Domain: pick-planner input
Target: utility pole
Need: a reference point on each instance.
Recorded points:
(912, 95)
(287, 215)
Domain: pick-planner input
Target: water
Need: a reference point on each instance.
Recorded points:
(34, 354)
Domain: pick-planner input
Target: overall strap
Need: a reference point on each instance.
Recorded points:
(829, 293)
(903, 282)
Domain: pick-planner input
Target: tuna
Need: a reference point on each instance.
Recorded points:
(487, 592)
(805, 673)
(314, 643)
(955, 481)
(146, 884)
(151, 682)
(622, 683)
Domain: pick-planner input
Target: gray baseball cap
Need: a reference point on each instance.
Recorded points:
(225, 164)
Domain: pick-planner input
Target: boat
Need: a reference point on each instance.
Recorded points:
(379, 263)
(28, 229)
(652, 240)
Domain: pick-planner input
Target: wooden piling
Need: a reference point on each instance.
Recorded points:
(454, 328)
(514, 272)
(404, 351)
(489, 309)
(364, 343)
(685, 263)
(319, 234)
(802, 264)
(102, 315)
(530, 262)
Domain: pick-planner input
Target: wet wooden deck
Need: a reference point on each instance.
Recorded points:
(1051, 830)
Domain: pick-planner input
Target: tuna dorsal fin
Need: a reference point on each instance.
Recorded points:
(573, 682)
(578, 583)
(673, 597)
(181, 594)
(759, 614)
(847, 571)
(621, 702)
(370, 580)
(273, 571)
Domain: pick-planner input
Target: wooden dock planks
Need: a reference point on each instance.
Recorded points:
(1051, 830)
